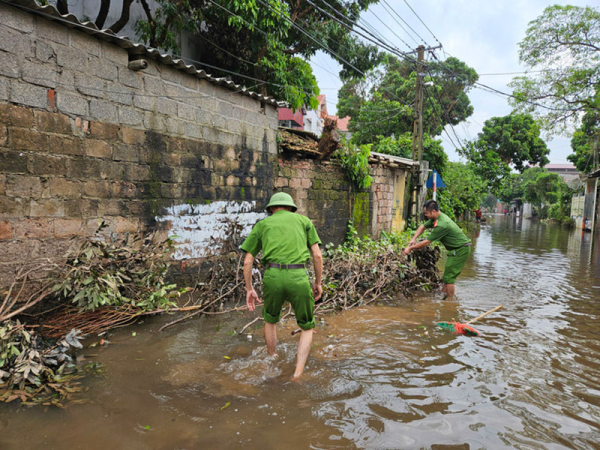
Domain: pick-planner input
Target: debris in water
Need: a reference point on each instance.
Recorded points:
(226, 405)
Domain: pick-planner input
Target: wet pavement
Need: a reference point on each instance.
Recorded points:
(378, 377)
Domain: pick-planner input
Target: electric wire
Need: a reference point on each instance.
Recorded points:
(414, 12)
(386, 5)
(350, 28)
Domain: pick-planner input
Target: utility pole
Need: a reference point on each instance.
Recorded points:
(418, 129)
(417, 147)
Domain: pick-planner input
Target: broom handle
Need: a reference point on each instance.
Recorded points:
(484, 314)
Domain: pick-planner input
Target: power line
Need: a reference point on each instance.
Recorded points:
(383, 44)
(489, 88)
(437, 40)
(443, 111)
(393, 32)
(439, 118)
(407, 24)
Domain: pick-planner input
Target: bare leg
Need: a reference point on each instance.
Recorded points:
(449, 291)
(303, 350)
(444, 290)
(271, 337)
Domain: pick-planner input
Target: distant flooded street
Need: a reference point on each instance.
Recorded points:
(378, 377)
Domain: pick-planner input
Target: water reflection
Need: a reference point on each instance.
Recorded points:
(378, 377)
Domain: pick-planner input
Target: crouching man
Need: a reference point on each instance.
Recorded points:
(451, 236)
(285, 239)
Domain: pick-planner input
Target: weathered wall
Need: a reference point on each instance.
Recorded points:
(83, 138)
(322, 192)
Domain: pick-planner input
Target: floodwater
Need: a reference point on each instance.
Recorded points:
(378, 377)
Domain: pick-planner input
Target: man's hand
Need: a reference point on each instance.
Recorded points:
(406, 251)
(317, 291)
(252, 299)
(412, 241)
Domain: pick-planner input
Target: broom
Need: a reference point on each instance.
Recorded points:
(464, 328)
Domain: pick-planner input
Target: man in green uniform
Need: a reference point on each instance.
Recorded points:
(285, 239)
(451, 236)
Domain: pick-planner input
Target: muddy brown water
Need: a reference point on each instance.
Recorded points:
(378, 377)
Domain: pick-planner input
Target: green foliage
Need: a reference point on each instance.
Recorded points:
(464, 190)
(515, 139)
(505, 141)
(489, 201)
(513, 186)
(586, 143)
(564, 45)
(355, 162)
(379, 103)
(256, 38)
(34, 372)
(433, 152)
(547, 192)
(106, 272)
(486, 163)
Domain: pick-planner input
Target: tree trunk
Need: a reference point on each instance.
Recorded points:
(259, 72)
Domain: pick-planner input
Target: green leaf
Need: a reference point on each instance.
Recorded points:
(226, 405)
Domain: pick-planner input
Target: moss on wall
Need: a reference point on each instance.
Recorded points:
(361, 212)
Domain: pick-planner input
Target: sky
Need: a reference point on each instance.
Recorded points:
(483, 34)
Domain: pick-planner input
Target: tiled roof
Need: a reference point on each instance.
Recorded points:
(307, 143)
(71, 21)
(342, 123)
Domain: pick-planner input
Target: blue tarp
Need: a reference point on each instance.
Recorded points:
(439, 183)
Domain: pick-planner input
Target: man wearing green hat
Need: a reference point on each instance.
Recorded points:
(451, 236)
(287, 241)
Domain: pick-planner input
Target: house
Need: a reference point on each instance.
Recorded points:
(289, 118)
(567, 172)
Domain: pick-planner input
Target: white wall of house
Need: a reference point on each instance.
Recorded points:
(312, 122)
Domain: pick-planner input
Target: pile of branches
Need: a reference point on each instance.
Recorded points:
(110, 284)
(356, 275)
(34, 372)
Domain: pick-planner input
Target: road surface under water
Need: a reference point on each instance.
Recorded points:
(378, 377)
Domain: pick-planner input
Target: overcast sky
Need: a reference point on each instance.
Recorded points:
(483, 34)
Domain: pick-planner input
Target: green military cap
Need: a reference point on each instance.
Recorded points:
(282, 199)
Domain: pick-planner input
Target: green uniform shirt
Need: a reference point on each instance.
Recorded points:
(447, 232)
(284, 237)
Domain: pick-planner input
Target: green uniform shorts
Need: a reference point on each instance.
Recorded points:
(292, 285)
(455, 263)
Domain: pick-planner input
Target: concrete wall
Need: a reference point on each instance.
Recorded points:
(84, 139)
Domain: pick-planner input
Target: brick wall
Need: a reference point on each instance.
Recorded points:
(83, 138)
(322, 193)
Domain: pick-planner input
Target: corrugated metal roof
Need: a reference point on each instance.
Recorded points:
(71, 21)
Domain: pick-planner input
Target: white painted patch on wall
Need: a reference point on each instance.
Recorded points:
(200, 228)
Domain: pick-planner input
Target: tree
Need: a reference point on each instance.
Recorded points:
(563, 44)
(464, 189)
(262, 39)
(586, 143)
(512, 187)
(380, 104)
(486, 163)
(505, 141)
(433, 152)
